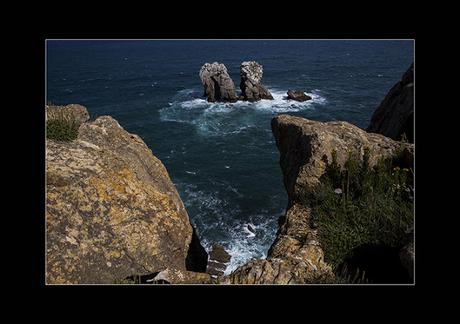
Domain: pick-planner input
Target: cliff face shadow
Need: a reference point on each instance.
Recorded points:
(381, 264)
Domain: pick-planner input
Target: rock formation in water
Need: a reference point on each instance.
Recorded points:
(395, 115)
(297, 95)
(251, 76)
(218, 86)
(112, 211)
(218, 259)
(296, 255)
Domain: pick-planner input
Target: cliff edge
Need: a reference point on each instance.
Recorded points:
(112, 212)
(305, 146)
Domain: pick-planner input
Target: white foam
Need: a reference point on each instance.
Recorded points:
(216, 119)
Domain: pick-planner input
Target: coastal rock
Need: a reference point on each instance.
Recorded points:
(296, 256)
(218, 258)
(251, 76)
(218, 86)
(395, 115)
(176, 276)
(76, 112)
(297, 95)
(305, 146)
(111, 210)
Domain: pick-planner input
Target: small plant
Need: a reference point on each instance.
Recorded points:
(61, 127)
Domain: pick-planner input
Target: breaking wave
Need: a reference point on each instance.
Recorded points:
(211, 119)
(217, 222)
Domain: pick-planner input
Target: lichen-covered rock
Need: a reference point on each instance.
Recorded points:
(395, 114)
(305, 147)
(76, 112)
(296, 255)
(176, 276)
(252, 89)
(218, 86)
(111, 209)
(297, 95)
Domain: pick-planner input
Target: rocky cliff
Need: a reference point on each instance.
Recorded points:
(296, 255)
(113, 213)
(395, 114)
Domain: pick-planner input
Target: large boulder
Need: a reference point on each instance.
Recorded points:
(218, 86)
(305, 146)
(395, 115)
(296, 256)
(252, 89)
(112, 211)
(297, 95)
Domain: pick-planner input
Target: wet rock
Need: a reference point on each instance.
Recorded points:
(218, 258)
(298, 95)
(219, 254)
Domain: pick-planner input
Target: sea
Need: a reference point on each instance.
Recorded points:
(223, 157)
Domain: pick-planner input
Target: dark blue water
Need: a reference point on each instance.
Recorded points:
(222, 157)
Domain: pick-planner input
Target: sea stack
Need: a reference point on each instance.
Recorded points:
(251, 76)
(218, 86)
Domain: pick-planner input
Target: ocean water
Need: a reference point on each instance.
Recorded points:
(222, 157)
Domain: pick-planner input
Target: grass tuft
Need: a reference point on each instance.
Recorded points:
(61, 127)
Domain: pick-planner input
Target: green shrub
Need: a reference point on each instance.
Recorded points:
(375, 205)
(61, 128)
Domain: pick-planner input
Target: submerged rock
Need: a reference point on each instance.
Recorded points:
(395, 114)
(297, 95)
(218, 86)
(111, 209)
(252, 89)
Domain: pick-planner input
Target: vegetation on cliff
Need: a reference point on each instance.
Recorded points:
(356, 205)
(62, 128)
